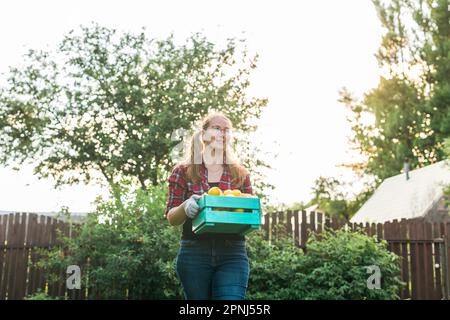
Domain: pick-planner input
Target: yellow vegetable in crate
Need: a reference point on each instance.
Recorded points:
(236, 192)
(228, 193)
(215, 191)
(243, 195)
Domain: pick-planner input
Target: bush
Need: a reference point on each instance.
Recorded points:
(273, 267)
(334, 267)
(40, 295)
(126, 249)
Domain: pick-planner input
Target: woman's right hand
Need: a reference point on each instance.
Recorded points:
(191, 207)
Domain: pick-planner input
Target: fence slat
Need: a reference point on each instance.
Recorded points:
(273, 226)
(13, 244)
(3, 254)
(303, 230)
(43, 242)
(429, 272)
(395, 231)
(319, 222)
(281, 222)
(421, 250)
(405, 274)
(373, 229)
(53, 287)
(297, 227)
(22, 260)
(367, 228)
(415, 263)
(312, 221)
(380, 231)
(437, 262)
(31, 242)
(289, 224)
(267, 226)
(65, 230)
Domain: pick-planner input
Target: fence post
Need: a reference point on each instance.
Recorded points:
(444, 251)
(320, 227)
(443, 247)
(289, 223)
(296, 228)
(267, 226)
(3, 254)
(273, 226)
(303, 231)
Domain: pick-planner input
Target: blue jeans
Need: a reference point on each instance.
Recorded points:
(213, 269)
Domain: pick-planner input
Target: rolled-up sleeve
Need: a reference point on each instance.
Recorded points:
(177, 189)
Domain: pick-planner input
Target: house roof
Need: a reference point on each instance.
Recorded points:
(22, 191)
(398, 198)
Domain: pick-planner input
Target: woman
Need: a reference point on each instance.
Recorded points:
(209, 266)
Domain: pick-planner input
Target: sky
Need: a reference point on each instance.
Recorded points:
(308, 51)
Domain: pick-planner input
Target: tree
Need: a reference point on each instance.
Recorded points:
(410, 108)
(332, 196)
(110, 102)
(398, 131)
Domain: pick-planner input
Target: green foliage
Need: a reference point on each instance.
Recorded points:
(408, 114)
(334, 267)
(447, 147)
(333, 198)
(111, 103)
(124, 252)
(399, 130)
(296, 206)
(40, 295)
(274, 268)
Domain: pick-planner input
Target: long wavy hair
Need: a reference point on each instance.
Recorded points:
(197, 148)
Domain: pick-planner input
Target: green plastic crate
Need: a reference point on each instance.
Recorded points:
(210, 221)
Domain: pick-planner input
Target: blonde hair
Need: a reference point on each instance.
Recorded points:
(196, 150)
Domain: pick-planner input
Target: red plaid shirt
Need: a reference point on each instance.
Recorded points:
(180, 189)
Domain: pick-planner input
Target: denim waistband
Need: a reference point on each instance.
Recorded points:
(211, 242)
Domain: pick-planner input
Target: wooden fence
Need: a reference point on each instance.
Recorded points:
(422, 246)
(21, 237)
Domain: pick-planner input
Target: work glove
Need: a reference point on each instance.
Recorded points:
(191, 207)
